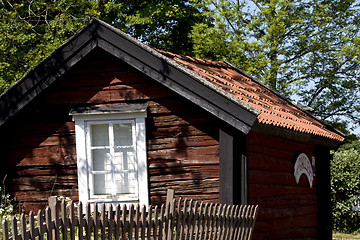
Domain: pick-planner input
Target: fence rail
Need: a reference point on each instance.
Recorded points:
(181, 219)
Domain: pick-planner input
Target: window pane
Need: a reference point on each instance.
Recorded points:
(123, 134)
(125, 183)
(124, 159)
(99, 135)
(101, 160)
(102, 184)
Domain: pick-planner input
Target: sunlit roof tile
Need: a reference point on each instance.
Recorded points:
(275, 110)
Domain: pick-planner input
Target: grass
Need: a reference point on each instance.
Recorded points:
(345, 236)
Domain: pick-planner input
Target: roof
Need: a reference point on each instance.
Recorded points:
(275, 110)
(217, 87)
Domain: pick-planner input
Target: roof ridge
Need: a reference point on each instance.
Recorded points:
(215, 63)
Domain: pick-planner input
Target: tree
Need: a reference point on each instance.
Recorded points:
(307, 50)
(31, 30)
(161, 24)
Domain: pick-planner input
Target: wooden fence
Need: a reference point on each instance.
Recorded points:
(181, 219)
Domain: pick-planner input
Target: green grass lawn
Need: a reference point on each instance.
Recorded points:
(345, 236)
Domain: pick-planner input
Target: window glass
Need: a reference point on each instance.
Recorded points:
(124, 159)
(125, 183)
(102, 184)
(101, 160)
(125, 171)
(123, 134)
(99, 135)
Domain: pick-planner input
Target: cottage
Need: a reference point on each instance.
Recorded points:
(106, 118)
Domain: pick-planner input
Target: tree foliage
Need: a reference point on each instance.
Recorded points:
(345, 184)
(159, 23)
(307, 50)
(31, 30)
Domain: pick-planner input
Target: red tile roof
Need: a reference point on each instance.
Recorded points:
(274, 109)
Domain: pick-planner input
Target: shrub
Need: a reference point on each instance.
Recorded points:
(7, 205)
(345, 184)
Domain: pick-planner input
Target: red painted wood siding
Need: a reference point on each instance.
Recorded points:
(182, 142)
(287, 210)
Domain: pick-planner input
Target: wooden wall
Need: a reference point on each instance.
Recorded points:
(182, 141)
(287, 210)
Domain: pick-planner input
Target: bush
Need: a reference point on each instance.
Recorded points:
(7, 206)
(345, 184)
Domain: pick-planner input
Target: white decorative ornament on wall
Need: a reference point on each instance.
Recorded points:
(303, 166)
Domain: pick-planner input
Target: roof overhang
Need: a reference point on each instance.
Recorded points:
(294, 135)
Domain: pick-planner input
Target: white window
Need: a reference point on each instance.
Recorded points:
(111, 153)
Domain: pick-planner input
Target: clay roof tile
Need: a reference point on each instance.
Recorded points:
(275, 110)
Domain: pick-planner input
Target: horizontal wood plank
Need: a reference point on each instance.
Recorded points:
(267, 214)
(289, 233)
(288, 223)
(280, 143)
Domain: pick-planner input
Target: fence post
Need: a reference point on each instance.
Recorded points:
(169, 211)
(169, 198)
(5, 230)
(52, 201)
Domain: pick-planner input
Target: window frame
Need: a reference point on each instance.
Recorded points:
(111, 147)
(82, 120)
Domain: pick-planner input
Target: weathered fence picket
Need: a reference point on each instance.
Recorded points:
(180, 220)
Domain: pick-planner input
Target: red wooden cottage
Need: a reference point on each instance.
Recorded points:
(106, 118)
